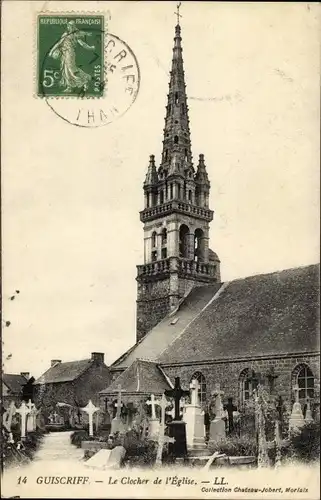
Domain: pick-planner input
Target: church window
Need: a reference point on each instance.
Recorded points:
(183, 109)
(154, 238)
(185, 152)
(171, 191)
(199, 245)
(147, 200)
(190, 195)
(166, 155)
(164, 253)
(161, 197)
(247, 384)
(304, 378)
(202, 386)
(179, 191)
(183, 241)
(154, 255)
(176, 98)
(176, 139)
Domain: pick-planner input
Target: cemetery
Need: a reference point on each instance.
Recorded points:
(175, 427)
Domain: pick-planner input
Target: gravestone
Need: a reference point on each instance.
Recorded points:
(90, 409)
(116, 423)
(230, 408)
(153, 426)
(308, 413)
(8, 415)
(296, 420)
(177, 428)
(217, 427)
(31, 417)
(23, 411)
(107, 459)
(194, 418)
(162, 439)
(262, 459)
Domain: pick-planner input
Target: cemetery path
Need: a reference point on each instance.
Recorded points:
(57, 446)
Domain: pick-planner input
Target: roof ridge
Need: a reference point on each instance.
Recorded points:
(215, 296)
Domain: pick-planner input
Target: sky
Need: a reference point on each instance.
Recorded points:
(71, 234)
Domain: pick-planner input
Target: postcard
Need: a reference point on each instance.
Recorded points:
(160, 250)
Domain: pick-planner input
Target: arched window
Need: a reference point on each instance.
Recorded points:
(190, 195)
(202, 386)
(147, 200)
(247, 383)
(154, 239)
(179, 191)
(176, 98)
(171, 191)
(304, 378)
(161, 197)
(176, 139)
(199, 245)
(183, 241)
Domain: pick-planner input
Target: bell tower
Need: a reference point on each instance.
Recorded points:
(176, 215)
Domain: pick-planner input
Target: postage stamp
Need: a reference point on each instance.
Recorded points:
(70, 52)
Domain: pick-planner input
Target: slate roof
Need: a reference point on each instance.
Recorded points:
(267, 314)
(64, 372)
(140, 378)
(163, 334)
(14, 382)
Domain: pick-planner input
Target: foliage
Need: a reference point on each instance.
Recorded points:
(235, 446)
(139, 452)
(77, 437)
(305, 444)
(16, 452)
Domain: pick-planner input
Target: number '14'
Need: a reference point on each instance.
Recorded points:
(22, 480)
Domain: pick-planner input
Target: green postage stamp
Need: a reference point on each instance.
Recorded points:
(70, 52)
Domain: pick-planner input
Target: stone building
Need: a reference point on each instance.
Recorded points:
(190, 324)
(15, 388)
(72, 382)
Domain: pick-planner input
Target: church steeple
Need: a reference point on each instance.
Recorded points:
(177, 140)
(176, 216)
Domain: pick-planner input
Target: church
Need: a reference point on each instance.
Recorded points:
(190, 323)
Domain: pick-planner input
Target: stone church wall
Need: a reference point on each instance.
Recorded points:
(227, 374)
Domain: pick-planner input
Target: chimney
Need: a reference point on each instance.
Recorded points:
(55, 362)
(98, 356)
(25, 375)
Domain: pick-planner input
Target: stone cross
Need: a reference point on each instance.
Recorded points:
(194, 388)
(119, 404)
(23, 410)
(162, 439)
(271, 376)
(152, 403)
(30, 405)
(90, 409)
(218, 401)
(230, 408)
(296, 393)
(177, 393)
(7, 417)
(178, 15)
(55, 415)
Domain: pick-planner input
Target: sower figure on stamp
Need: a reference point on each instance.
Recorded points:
(65, 49)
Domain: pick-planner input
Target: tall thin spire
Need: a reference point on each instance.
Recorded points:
(177, 155)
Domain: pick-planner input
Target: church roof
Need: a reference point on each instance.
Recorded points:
(266, 314)
(14, 382)
(140, 377)
(64, 372)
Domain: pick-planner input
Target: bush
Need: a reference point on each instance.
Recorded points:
(234, 446)
(305, 445)
(18, 452)
(77, 437)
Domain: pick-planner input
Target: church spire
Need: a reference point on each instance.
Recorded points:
(177, 156)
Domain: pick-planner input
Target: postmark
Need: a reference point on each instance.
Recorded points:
(115, 86)
(70, 53)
